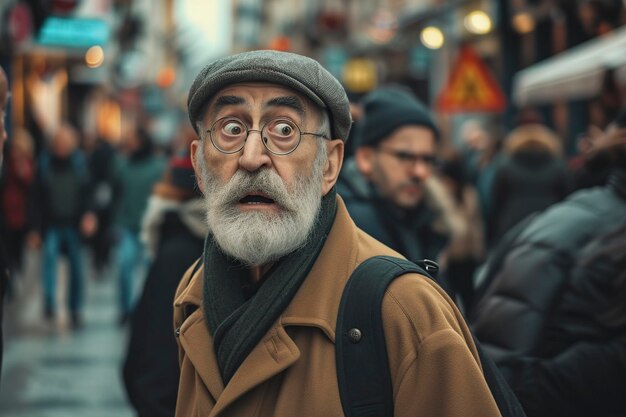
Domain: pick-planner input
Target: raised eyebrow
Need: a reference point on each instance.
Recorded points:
(292, 102)
(223, 101)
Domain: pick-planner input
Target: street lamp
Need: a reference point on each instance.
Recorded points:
(478, 22)
(432, 37)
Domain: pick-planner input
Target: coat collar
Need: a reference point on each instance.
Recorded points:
(315, 305)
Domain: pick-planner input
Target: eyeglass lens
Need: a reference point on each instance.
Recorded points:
(279, 136)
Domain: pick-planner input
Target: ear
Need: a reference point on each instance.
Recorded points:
(333, 165)
(364, 157)
(194, 149)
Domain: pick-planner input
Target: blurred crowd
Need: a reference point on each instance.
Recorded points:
(531, 241)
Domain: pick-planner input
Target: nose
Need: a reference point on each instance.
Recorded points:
(421, 169)
(254, 154)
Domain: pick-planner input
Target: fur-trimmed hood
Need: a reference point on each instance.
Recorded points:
(191, 212)
(533, 137)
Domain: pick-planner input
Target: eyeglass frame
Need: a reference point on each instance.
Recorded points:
(410, 158)
(243, 144)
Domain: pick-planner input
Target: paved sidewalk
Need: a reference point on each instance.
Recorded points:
(52, 371)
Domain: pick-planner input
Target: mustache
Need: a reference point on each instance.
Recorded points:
(264, 181)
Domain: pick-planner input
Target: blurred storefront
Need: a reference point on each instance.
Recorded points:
(102, 63)
(366, 43)
(542, 37)
(80, 59)
(55, 61)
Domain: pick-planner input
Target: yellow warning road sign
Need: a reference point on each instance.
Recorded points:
(471, 87)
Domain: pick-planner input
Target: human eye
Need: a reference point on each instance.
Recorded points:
(232, 128)
(282, 129)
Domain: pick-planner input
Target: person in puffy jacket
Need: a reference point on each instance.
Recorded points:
(582, 370)
(538, 317)
(531, 176)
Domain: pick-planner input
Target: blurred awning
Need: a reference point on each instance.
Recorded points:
(574, 74)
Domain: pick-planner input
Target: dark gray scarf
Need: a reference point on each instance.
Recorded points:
(237, 324)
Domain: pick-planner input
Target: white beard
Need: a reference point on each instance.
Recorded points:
(258, 237)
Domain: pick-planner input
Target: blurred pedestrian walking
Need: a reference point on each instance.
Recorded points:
(63, 203)
(531, 176)
(174, 228)
(136, 175)
(102, 165)
(528, 275)
(579, 368)
(16, 195)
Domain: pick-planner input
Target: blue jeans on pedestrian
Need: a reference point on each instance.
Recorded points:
(55, 237)
(130, 256)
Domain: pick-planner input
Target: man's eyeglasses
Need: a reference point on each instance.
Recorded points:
(279, 136)
(409, 158)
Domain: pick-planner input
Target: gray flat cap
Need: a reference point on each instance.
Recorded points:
(297, 72)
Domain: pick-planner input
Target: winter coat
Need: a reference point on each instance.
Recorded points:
(175, 230)
(62, 193)
(434, 365)
(581, 370)
(416, 234)
(530, 177)
(16, 191)
(525, 182)
(528, 285)
(136, 176)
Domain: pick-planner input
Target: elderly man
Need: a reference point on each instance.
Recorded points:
(255, 318)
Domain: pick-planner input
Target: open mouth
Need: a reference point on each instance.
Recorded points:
(256, 199)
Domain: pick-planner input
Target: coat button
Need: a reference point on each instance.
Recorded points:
(177, 332)
(355, 335)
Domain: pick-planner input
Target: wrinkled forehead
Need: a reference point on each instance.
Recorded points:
(260, 94)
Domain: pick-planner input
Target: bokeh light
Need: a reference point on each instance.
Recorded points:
(432, 37)
(523, 22)
(94, 56)
(478, 22)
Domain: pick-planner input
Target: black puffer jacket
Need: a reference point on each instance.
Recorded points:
(582, 368)
(512, 317)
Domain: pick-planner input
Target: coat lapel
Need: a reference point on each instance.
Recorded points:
(198, 345)
(273, 355)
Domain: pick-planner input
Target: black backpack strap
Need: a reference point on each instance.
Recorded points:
(361, 353)
(363, 372)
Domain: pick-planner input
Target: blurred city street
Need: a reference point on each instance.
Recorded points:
(140, 136)
(50, 370)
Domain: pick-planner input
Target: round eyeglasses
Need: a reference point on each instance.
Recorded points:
(279, 136)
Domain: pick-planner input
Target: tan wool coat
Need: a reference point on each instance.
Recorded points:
(433, 362)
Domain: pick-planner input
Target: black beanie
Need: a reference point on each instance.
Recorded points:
(389, 108)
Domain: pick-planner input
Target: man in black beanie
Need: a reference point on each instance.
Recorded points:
(385, 184)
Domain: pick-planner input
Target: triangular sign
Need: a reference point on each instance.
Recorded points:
(471, 87)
